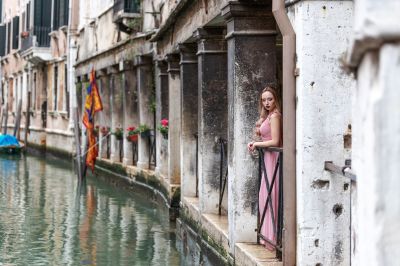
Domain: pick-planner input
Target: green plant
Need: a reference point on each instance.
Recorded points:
(143, 128)
(163, 127)
(118, 133)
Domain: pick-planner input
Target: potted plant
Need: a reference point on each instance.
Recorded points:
(163, 128)
(132, 134)
(118, 133)
(144, 130)
(24, 34)
(105, 130)
(96, 131)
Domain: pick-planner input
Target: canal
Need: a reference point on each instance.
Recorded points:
(47, 219)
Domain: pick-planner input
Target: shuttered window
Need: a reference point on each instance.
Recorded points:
(56, 14)
(8, 37)
(1, 11)
(28, 16)
(15, 41)
(3, 39)
(60, 13)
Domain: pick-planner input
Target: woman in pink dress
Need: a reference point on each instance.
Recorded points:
(269, 127)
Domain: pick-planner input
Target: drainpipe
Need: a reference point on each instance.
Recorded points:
(289, 131)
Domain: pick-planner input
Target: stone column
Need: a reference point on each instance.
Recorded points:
(161, 113)
(116, 111)
(144, 76)
(251, 34)
(174, 134)
(104, 119)
(130, 106)
(189, 85)
(213, 114)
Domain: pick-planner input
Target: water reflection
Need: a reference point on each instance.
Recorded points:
(47, 219)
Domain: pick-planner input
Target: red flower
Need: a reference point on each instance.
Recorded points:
(164, 122)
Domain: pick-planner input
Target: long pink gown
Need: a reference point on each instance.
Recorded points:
(270, 159)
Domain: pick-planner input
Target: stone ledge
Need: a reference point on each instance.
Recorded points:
(252, 254)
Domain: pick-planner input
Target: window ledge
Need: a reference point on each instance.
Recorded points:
(63, 114)
(53, 113)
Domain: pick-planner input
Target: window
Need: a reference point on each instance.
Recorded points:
(55, 88)
(60, 13)
(15, 40)
(3, 42)
(8, 37)
(1, 11)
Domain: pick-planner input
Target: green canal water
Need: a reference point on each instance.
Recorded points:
(47, 219)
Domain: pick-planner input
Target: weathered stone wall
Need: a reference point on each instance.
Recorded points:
(323, 115)
(374, 57)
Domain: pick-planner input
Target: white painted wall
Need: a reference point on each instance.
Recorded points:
(323, 114)
(375, 52)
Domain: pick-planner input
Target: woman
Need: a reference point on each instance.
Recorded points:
(269, 127)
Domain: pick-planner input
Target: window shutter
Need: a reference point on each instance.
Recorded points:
(28, 16)
(61, 13)
(8, 37)
(37, 13)
(3, 38)
(1, 11)
(15, 32)
(66, 12)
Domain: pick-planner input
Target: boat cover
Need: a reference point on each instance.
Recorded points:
(7, 141)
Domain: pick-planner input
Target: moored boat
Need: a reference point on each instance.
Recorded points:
(9, 144)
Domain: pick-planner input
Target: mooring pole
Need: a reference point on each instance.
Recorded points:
(77, 143)
(28, 120)
(5, 120)
(18, 119)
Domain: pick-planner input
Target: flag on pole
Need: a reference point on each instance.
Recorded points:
(92, 106)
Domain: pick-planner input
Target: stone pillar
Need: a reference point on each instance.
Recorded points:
(130, 107)
(174, 134)
(161, 113)
(213, 114)
(251, 34)
(116, 111)
(189, 85)
(144, 76)
(104, 118)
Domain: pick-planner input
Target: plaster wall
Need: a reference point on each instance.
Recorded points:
(323, 114)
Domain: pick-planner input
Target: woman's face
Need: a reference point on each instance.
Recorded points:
(268, 101)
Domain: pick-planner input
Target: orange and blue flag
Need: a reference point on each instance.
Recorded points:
(92, 106)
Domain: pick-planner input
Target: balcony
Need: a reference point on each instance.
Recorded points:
(127, 15)
(35, 44)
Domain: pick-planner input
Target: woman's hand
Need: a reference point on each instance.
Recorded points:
(251, 146)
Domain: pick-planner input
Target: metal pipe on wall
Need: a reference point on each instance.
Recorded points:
(289, 131)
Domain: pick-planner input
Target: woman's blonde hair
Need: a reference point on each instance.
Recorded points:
(263, 112)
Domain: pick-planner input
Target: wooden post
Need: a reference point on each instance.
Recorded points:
(77, 142)
(28, 119)
(1, 118)
(5, 120)
(18, 120)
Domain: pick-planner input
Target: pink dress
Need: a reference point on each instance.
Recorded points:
(270, 159)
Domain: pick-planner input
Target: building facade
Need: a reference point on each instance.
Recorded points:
(202, 65)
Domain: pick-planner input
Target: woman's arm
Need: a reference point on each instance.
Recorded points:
(275, 134)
